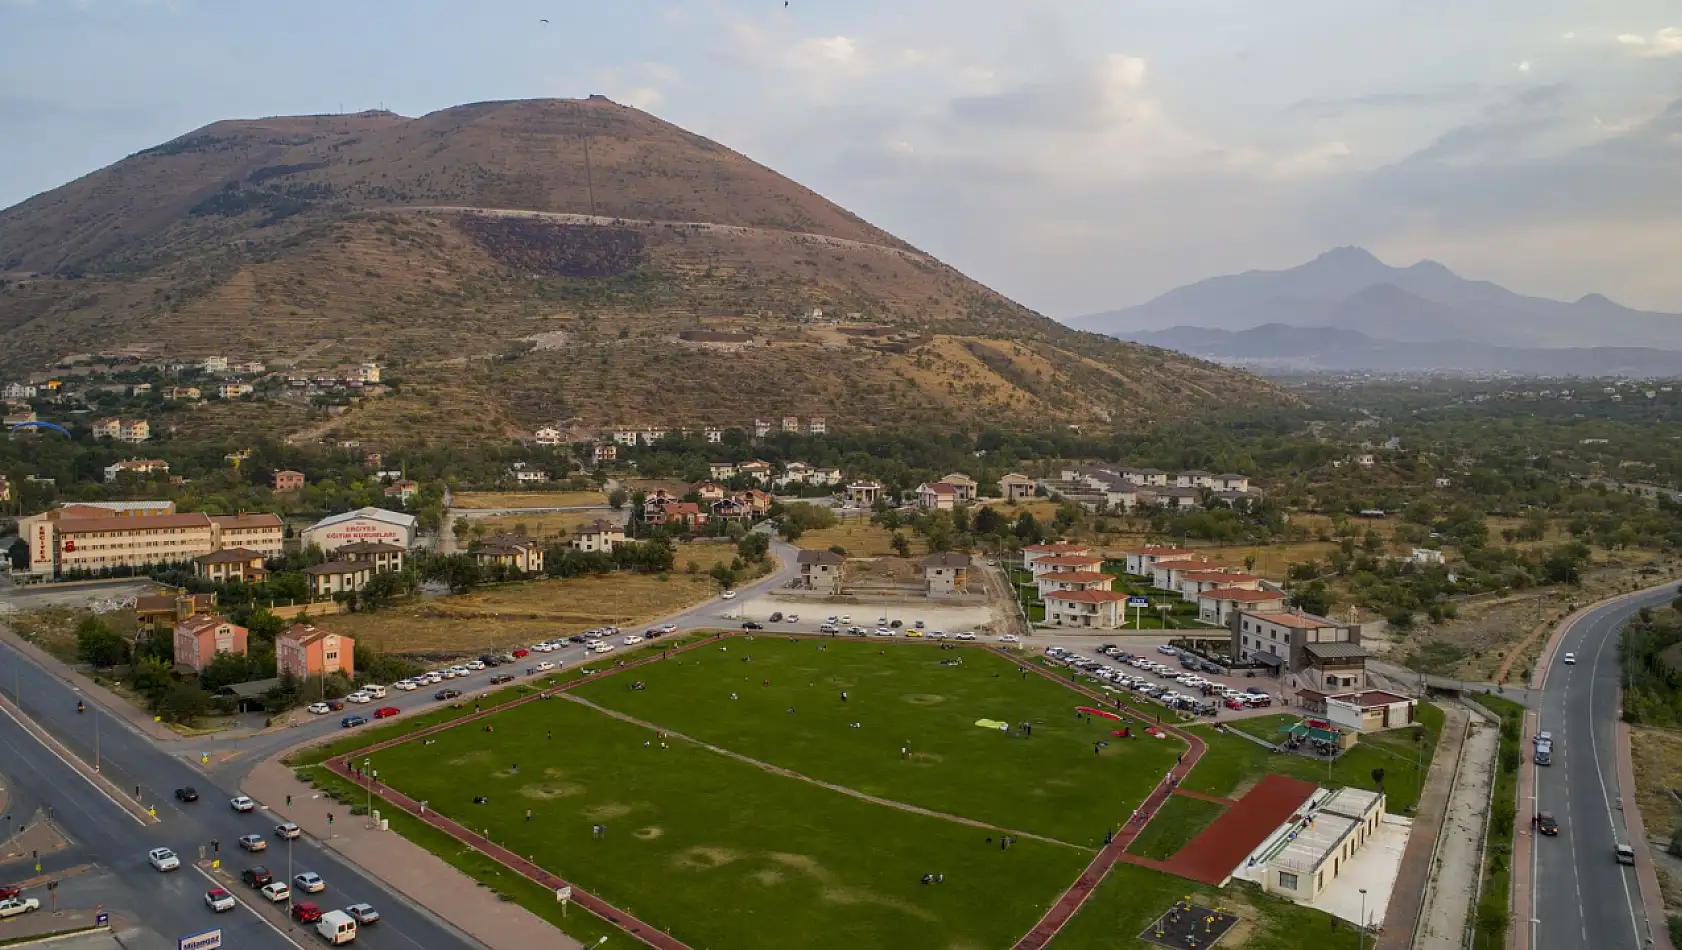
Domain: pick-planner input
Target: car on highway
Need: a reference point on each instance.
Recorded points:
(287, 830)
(1570, 659)
(668, 628)
(1543, 736)
(937, 635)
(886, 632)
(1547, 824)
(964, 636)
(13, 906)
(363, 914)
(258, 876)
(828, 628)
(792, 618)
(386, 712)
(9, 891)
(845, 619)
(475, 665)
(240, 803)
(631, 640)
(309, 882)
(306, 913)
(501, 678)
(277, 891)
(521, 653)
(776, 616)
(219, 900)
(446, 694)
(750, 625)
(351, 722)
(253, 843)
(914, 633)
(187, 793)
(728, 595)
(542, 667)
(1008, 638)
(319, 709)
(359, 697)
(163, 859)
(1625, 853)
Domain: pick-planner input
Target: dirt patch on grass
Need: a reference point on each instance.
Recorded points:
(768, 877)
(544, 525)
(608, 811)
(527, 499)
(704, 858)
(545, 793)
(471, 758)
(648, 834)
(860, 539)
(924, 699)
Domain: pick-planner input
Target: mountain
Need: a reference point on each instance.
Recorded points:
(1278, 348)
(518, 263)
(1349, 288)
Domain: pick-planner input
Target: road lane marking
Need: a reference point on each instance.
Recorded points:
(241, 902)
(71, 766)
(1600, 773)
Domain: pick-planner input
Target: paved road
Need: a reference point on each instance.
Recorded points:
(171, 904)
(1582, 896)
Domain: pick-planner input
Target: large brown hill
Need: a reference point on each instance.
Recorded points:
(540, 260)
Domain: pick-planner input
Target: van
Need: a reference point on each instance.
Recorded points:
(337, 926)
(378, 692)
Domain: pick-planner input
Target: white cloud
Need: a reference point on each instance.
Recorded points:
(1523, 66)
(1665, 42)
(641, 85)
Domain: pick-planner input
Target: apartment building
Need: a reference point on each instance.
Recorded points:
(261, 532)
(199, 639)
(306, 650)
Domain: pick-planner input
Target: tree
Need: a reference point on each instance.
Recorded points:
(99, 645)
(152, 676)
(1378, 778)
(902, 545)
(225, 669)
(1313, 597)
(618, 497)
(791, 531)
(986, 521)
(1028, 529)
(182, 702)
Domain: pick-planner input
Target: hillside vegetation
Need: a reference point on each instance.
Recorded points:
(536, 261)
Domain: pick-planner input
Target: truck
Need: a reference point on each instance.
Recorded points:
(337, 927)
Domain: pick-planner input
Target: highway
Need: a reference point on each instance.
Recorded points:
(1581, 895)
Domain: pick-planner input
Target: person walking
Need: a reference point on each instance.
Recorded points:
(528, 814)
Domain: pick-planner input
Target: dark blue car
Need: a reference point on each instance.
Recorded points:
(350, 722)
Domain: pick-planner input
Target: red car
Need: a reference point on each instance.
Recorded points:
(386, 712)
(522, 652)
(1234, 704)
(335, 705)
(306, 913)
(7, 892)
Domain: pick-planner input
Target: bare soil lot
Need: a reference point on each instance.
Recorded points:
(861, 539)
(527, 499)
(544, 524)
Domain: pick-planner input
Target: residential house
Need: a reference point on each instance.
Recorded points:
(1426, 556)
(306, 650)
(816, 426)
(1321, 651)
(1051, 564)
(730, 509)
(338, 577)
(722, 471)
(794, 473)
(1053, 581)
(791, 424)
(821, 571)
(599, 535)
(383, 556)
(963, 485)
(1182, 499)
(199, 639)
(5, 489)
(1150, 477)
(526, 474)
(945, 573)
(864, 494)
(18, 392)
(684, 513)
(1370, 710)
(1231, 481)
(604, 452)
(1216, 605)
(547, 435)
(230, 565)
(1166, 573)
(624, 436)
(1193, 583)
(1016, 487)
(288, 480)
(143, 468)
(523, 554)
(710, 492)
(938, 496)
(183, 394)
(758, 503)
(1035, 552)
(164, 611)
(1140, 560)
(825, 476)
(761, 428)
(233, 390)
(214, 364)
(140, 389)
(654, 504)
(402, 490)
(17, 416)
(1194, 479)
(756, 470)
(1095, 609)
(713, 434)
(652, 434)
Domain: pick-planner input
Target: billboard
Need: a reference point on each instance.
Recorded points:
(209, 940)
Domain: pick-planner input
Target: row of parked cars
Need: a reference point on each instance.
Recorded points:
(1203, 702)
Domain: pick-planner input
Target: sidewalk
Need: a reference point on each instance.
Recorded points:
(1524, 841)
(407, 868)
(1455, 871)
(1419, 859)
(44, 924)
(1652, 899)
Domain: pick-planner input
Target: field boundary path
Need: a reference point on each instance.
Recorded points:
(1453, 881)
(802, 777)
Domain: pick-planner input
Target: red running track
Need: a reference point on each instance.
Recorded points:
(1212, 856)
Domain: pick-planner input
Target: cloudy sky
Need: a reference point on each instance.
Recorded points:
(1078, 154)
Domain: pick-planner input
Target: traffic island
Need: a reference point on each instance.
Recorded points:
(43, 925)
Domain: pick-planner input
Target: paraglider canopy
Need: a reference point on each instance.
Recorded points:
(42, 425)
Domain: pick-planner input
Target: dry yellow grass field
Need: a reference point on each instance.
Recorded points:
(527, 499)
(1657, 755)
(523, 613)
(542, 524)
(861, 539)
(706, 555)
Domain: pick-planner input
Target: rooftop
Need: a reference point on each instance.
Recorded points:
(132, 523)
(945, 559)
(338, 567)
(229, 556)
(1297, 621)
(820, 557)
(1241, 594)
(1058, 548)
(1086, 596)
(1336, 651)
(1078, 577)
(1071, 560)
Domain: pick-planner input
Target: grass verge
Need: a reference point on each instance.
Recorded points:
(1181, 819)
(1495, 892)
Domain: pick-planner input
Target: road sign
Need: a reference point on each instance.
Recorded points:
(209, 940)
(1138, 601)
(101, 918)
(563, 894)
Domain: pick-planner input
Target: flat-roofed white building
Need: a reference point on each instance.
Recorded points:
(364, 524)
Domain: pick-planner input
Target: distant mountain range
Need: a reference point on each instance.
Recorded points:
(1360, 313)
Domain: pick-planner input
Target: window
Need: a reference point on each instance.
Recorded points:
(1287, 880)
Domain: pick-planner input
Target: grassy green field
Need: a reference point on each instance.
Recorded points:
(1234, 764)
(691, 833)
(1180, 819)
(1050, 784)
(1132, 897)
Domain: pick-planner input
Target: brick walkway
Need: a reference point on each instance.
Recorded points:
(1407, 895)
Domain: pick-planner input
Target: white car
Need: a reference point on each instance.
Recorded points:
(462, 670)
(241, 803)
(938, 635)
(1008, 638)
(543, 647)
(163, 859)
(219, 900)
(287, 830)
(319, 709)
(13, 906)
(434, 678)
(833, 619)
(359, 697)
(632, 640)
(363, 914)
(1167, 650)
(828, 628)
(845, 619)
(885, 632)
(603, 648)
(404, 685)
(792, 618)
(452, 674)
(309, 882)
(728, 595)
(544, 666)
(1570, 659)
(277, 891)
(475, 665)
(964, 636)
(668, 628)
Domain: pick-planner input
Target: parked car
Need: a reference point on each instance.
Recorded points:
(306, 913)
(631, 640)
(446, 694)
(1625, 853)
(501, 678)
(1167, 650)
(750, 625)
(319, 709)
(13, 906)
(253, 843)
(1008, 638)
(521, 653)
(9, 891)
(277, 891)
(219, 900)
(363, 914)
(542, 667)
(405, 685)
(776, 616)
(360, 697)
(258, 876)
(187, 794)
(728, 595)
(964, 636)
(828, 628)
(386, 712)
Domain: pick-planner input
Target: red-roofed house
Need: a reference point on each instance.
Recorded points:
(1064, 562)
(1213, 606)
(1097, 609)
(1193, 583)
(199, 639)
(1072, 580)
(1166, 573)
(1141, 560)
(937, 496)
(1034, 552)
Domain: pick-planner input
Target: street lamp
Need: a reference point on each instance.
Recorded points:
(368, 782)
(1363, 918)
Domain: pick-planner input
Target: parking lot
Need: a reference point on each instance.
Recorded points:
(1163, 675)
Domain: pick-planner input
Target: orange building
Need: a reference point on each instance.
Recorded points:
(306, 650)
(199, 639)
(288, 480)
